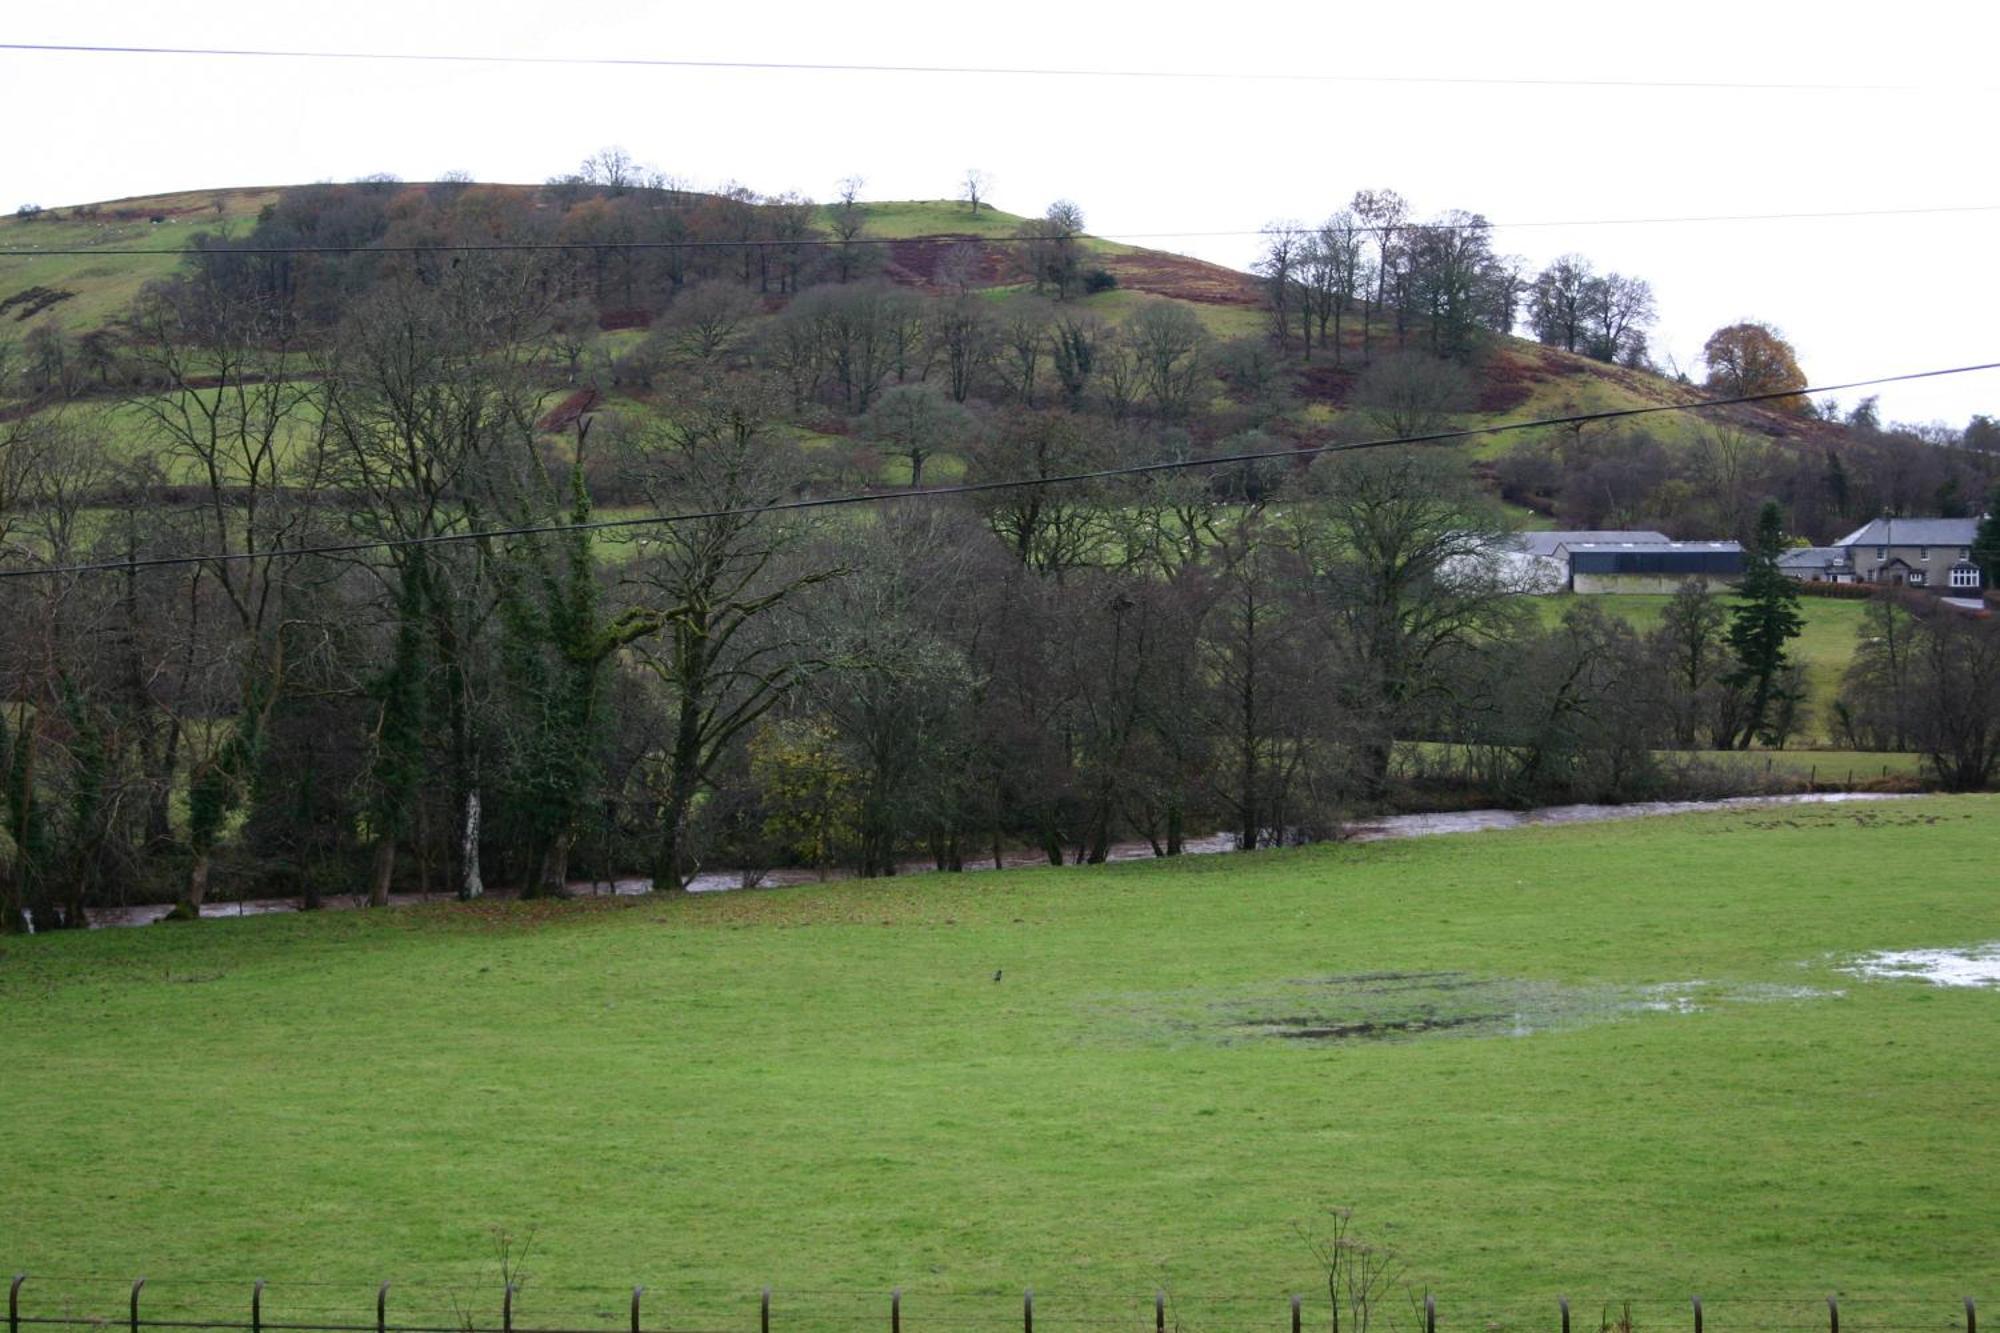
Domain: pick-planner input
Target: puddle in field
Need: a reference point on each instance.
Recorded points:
(1976, 965)
(1407, 1006)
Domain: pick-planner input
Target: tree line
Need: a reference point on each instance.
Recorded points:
(478, 689)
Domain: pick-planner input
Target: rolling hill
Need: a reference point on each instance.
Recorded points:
(1517, 379)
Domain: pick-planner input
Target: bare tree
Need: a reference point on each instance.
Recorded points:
(1279, 266)
(916, 422)
(233, 411)
(612, 169)
(1049, 248)
(1332, 276)
(972, 187)
(848, 220)
(1050, 529)
(708, 320)
(1170, 346)
(1404, 548)
(1620, 311)
(717, 583)
(1382, 214)
(1023, 342)
(965, 342)
(1559, 302)
(1408, 395)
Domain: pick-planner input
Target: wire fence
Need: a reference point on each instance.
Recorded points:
(59, 1301)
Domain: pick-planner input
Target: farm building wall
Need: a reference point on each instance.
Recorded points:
(1652, 583)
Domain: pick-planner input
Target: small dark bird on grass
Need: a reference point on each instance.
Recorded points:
(996, 976)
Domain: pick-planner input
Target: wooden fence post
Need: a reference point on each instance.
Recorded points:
(382, 1308)
(257, 1307)
(1028, 1311)
(763, 1312)
(1697, 1313)
(135, 1304)
(14, 1303)
(1295, 1312)
(896, 1311)
(1832, 1315)
(1159, 1311)
(1563, 1301)
(637, 1292)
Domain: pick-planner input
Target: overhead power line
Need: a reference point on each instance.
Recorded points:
(992, 71)
(823, 241)
(968, 488)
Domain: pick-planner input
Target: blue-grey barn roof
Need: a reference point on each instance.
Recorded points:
(1547, 543)
(1913, 532)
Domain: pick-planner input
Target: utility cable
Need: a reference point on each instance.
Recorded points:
(823, 241)
(965, 488)
(996, 71)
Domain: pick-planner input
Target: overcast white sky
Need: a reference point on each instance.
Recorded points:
(1858, 297)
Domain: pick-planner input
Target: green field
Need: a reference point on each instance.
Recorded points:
(1825, 646)
(1671, 1088)
(102, 285)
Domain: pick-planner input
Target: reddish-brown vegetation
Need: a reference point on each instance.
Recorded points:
(632, 317)
(1326, 383)
(915, 262)
(1183, 279)
(565, 413)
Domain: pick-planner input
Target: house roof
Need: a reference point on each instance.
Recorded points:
(1548, 543)
(1913, 532)
(1660, 545)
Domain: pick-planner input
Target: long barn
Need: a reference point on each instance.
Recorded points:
(1650, 566)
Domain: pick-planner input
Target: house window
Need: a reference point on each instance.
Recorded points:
(1881, 553)
(1965, 578)
(1917, 578)
(1923, 553)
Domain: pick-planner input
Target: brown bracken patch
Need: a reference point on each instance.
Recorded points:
(1181, 278)
(565, 413)
(1324, 383)
(917, 261)
(634, 317)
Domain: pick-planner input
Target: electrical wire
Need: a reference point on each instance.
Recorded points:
(763, 243)
(967, 488)
(1006, 71)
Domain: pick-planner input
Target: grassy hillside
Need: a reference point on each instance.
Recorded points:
(102, 286)
(1519, 381)
(1614, 1061)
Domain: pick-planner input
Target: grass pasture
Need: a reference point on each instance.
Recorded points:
(101, 286)
(1647, 1078)
(1825, 646)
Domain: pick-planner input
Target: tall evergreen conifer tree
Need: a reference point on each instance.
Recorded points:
(1766, 618)
(1986, 542)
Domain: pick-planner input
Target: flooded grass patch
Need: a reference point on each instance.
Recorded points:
(1406, 1006)
(1973, 965)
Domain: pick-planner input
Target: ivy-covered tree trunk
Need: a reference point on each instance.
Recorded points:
(13, 916)
(683, 780)
(399, 735)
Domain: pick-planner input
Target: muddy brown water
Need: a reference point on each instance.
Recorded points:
(1381, 829)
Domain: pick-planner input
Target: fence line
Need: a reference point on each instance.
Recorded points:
(135, 1322)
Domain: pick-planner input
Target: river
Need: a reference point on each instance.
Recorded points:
(1380, 829)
